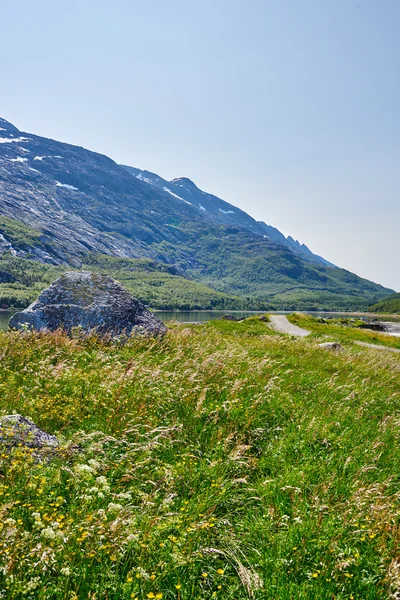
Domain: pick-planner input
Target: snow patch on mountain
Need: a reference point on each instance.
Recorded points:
(15, 140)
(67, 186)
(19, 159)
(175, 196)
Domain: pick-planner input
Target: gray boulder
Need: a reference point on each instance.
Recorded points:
(16, 429)
(93, 301)
(331, 346)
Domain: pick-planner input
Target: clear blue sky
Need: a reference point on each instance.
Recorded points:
(286, 108)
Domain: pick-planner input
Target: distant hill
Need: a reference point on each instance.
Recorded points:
(61, 204)
(390, 305)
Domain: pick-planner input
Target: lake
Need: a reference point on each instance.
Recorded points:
(196, 316)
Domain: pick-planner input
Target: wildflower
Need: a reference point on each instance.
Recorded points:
(315, 575)
(205, 575)
(49, 533)
(85, 471)
(33, 584)
(65, 571)
(124, 496)
(151, 595)
(178, 586)
(115, 507)
(220, 571)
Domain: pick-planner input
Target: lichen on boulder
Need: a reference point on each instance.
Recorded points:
(94, 302)
(16, 430)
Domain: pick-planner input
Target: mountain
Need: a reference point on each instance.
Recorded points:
(62, 204)
(390, 305)
(222, 212)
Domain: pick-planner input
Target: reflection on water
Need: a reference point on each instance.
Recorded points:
(5, 316)
(195, 316)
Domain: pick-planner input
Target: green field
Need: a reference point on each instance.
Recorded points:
(223, 461)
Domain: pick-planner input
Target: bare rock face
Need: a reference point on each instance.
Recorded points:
(92, 301)
(16, 429)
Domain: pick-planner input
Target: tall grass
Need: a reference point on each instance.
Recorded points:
(223, 461)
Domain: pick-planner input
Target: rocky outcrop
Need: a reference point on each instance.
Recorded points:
(94, 302)
(16, 430)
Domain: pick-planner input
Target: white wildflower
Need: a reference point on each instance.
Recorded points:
(32, 584)
(49, 533)
(84, 471)
(124, 496)
(94, 464)
(115, 507)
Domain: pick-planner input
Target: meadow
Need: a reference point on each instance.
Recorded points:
(222, 461)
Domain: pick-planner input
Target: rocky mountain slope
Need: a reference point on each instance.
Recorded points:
(219, 211)
(60, 204)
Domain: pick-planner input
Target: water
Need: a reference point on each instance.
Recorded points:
(5, 316)
(196, 316)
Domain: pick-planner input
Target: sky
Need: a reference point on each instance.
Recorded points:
(288, 109)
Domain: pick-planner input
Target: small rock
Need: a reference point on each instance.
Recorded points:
(264, 319)
(331, 346)
(16, 429)
(228, 318)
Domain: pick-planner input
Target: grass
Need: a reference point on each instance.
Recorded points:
(342, 331)
(223, 461)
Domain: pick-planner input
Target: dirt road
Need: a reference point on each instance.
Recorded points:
(280, 323)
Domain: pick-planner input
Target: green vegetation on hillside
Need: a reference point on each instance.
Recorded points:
(389, 306)
(163, 286)
(235, 262)
(223, 461)
(153, 283)
(19, 234)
